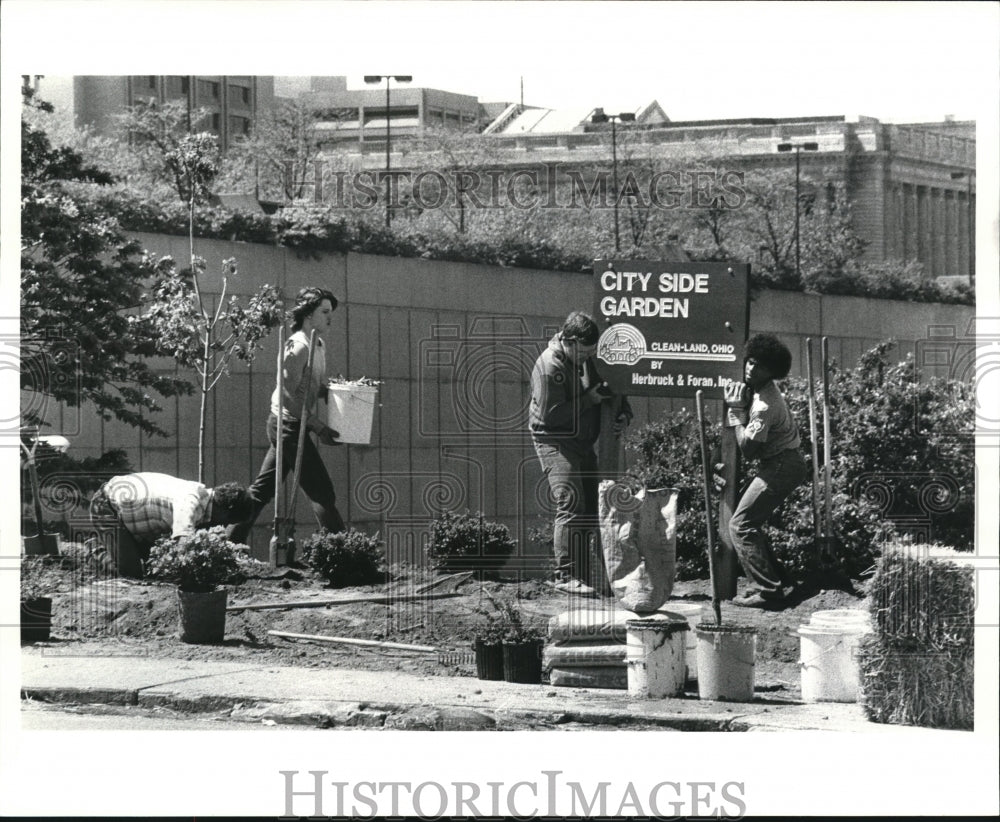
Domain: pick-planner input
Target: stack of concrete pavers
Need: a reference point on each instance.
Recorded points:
(586, 646)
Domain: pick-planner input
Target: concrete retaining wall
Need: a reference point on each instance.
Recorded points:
(453, 344)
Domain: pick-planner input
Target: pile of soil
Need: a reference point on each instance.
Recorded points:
(100, 613)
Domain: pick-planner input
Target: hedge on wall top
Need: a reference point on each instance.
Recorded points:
(314, 230)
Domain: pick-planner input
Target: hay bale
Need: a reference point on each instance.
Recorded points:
(922, 594)
(904, 686)
(918, 666)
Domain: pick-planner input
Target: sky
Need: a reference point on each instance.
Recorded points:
(899, 62)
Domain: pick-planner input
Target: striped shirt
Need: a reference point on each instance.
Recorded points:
(153, 505)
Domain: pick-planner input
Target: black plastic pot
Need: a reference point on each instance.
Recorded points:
(202, 616)
(36, 619)
(522, 661)
(489, 660)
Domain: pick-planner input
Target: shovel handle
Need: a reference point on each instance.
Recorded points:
(706, 471)
(278, 445)
(814, 444)
(307, 375)
(826, 438)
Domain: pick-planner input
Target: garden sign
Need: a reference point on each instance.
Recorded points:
(669, 329)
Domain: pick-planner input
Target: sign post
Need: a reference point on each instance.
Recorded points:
(671, 329)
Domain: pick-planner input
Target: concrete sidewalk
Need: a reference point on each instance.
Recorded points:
(339, 697)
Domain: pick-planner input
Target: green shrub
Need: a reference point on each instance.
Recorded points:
(198, 562)
(346, 558)
(889, 427)
(505, 623)
(461, 542)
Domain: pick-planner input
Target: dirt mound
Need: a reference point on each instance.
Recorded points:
(106, 614)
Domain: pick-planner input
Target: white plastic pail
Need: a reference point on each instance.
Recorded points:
(654, 657)
(829, 662)
(691, 611)
(351, 407)
(842, 618)
(726, 658)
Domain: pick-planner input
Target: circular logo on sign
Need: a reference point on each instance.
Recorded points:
(621, 344)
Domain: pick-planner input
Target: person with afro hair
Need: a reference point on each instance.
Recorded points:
(765, 431)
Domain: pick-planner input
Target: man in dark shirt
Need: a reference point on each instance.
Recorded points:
(565, 421)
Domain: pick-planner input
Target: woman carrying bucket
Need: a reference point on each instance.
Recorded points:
(313, 311)
(765, 430)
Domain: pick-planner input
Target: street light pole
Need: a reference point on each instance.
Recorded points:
(797, 147)
(625, 117)
(378, 78)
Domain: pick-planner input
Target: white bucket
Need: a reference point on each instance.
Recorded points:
(829, 662)
(842, 618)
(726, 657)
(654, 657)
(350, 408)
(692, 612)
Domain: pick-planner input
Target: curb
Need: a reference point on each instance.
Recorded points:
(385, 716)
(83, 696)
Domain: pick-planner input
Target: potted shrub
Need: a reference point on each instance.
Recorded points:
(199, 564)
(346, 558)
(36, 607)
(488, 644)
(520, 644)
(522, 653)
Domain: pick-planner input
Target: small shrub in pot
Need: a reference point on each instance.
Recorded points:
(198, 562)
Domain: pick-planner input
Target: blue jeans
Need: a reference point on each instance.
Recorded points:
(315, 481)
(573, 480)
(778, 477)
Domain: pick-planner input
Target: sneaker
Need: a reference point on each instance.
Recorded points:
(758, 600)
(573, 586)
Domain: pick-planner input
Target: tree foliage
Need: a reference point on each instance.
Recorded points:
(161, 136)
(192, 331)
(902, 453)
(80, 279)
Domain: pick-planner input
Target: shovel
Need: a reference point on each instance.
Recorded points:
(297, 473)
(829, 544)
(818, 539)
(277, 548)
(40, 542)
(706, 470)
(828, 547)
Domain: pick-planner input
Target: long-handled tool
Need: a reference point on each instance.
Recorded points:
(814, 443)
(276, 550)
(706, 470)
(41, 542)
(297, 474)
(828, 542)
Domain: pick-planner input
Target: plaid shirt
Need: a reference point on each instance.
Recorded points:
(154, 505)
